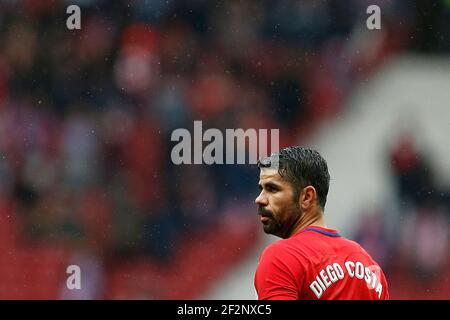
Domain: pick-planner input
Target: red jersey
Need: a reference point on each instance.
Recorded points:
(317, 263)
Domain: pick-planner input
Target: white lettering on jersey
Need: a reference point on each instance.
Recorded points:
(334, 272)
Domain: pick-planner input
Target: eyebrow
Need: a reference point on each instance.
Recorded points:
(269, 184)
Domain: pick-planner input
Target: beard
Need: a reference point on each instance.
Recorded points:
(271, 225)
(280, 225)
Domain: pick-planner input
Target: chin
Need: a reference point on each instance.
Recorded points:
(268, 229)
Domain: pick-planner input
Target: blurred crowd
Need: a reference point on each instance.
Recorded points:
(410, 237)
(86, 115)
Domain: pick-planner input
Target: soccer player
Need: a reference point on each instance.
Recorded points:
(311, 261)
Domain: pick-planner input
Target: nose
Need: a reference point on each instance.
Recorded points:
(261, 200)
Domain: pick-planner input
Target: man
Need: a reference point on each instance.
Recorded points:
(311, 261)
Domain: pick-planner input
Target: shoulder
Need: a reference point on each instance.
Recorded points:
(279, 273)
(277, 249)
(283, 254)
(357, 249)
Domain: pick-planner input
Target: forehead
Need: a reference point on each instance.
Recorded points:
(270, 174)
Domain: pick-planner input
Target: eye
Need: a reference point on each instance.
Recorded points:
(271, 188)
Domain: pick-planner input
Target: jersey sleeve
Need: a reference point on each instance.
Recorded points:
(276, 276)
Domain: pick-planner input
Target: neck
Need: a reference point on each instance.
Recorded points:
(307, 220)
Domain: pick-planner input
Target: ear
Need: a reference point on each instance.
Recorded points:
(308, 197)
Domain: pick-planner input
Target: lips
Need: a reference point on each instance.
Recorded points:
(266, 215)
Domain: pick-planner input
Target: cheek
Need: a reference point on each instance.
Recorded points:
(274, 204)
(285, 210)
(279, 210)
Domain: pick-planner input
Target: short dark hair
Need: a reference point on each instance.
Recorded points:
(302, 167)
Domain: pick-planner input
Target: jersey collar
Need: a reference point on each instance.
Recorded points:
(324, 231)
